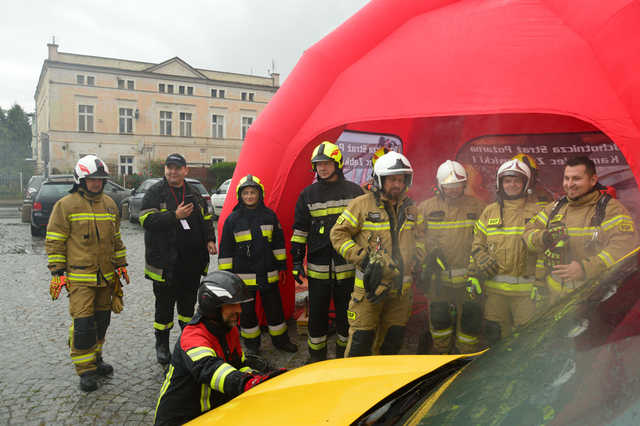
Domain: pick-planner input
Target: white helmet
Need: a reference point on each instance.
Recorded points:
(90, 166)
(450, 172)
(392, 163)
(514, 168)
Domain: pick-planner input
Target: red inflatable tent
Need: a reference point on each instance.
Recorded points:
(440, 73)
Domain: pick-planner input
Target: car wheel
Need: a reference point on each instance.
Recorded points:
(35, 231)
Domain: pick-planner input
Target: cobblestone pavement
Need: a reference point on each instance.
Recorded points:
(38, 384)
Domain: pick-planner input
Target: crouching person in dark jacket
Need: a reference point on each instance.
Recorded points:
(208, 366)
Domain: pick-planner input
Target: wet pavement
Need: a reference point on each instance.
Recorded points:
(38, 384)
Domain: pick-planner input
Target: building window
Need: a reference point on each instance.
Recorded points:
(169, 88)
(126, 165)
(126, 120)
(91, 80)
(120, 83)
(85, 118)
(130, 84)
(217, 126)
(246, 123)
(161, 87)
(221, 94)
(80, 79)
(243, 95)
(185, 124)
(181, 90)
(214, 93)
(190, 90)
(165, 123)
(215, 160)
(251, 97)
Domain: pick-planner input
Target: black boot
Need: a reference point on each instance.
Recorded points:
(252, 346)
(283, 343)
(316, 355)
(88, 382)
(162, 346)
(104, 369)
(340, 351)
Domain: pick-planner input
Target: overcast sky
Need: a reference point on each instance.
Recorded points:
(241, 36)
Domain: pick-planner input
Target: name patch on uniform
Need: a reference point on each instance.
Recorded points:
(494, 221)
(374, 216)
(340, 220)
(472, 216)
(625, 227)
(438, 215)
(351, 315)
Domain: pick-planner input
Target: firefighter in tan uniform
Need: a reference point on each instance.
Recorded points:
(446, 223)
(500, 265)
(86, 254)
(376, 232)
(583, 234)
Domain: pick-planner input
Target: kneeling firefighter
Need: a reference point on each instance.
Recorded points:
(376, 232)
(446, 224)
(208, 367)
(86, 255)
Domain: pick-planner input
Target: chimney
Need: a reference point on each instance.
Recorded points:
(53, 51)
(275, 79)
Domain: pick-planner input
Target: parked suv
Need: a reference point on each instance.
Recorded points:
(135, 201)
(218, 197)
(56, 187)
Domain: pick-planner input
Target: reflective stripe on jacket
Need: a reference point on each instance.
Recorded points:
(83, 238)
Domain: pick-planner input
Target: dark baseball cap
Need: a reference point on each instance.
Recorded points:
(176, 158)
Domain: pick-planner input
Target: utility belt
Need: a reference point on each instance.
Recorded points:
(511, 284)
(325, 272)
(407, 280)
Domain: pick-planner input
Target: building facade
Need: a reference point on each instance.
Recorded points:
(130, 113)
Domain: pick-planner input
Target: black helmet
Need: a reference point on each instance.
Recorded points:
(220, 288)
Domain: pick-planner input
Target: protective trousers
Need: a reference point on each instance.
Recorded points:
(180, 288)
(454, 321)
(90, 308)
(502, 313)
(320, 295)
(389, 316)
(249, 324)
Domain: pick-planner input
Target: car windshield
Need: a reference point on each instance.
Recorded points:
(55, 188)
(224, 187)
(576, 363)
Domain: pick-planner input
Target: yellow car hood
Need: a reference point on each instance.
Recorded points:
(329, 392)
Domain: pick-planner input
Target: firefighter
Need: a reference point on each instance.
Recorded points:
(178, 237)
(208, 367)
(584, 233)
(85, 254)
(500, 266)
(330, 276)
(252, 246)
(447, 232)
(376, 232)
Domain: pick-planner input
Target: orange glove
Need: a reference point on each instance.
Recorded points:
(55, 285)
(123, 274)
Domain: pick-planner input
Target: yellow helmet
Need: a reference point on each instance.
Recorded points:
(528, 160)
(249, 180)
(327, 151)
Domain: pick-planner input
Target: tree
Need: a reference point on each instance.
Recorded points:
(15, 139)
(222, 171)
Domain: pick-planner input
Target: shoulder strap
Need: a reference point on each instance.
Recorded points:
(601, 209)
(556, 208)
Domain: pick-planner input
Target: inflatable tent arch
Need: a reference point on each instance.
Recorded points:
(438, 74)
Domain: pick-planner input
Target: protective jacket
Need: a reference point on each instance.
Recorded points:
(83, 238)
(252, 245)
(161, 226)
(371, 224)
(317, 209)
(498, 233)
(447, 224)
(207, 369)
(596, 248)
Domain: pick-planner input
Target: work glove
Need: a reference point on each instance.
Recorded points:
(256, 379)
(556, 233)
(58, 280)
(298, 272)
(122, 273)
(117, 302)
(553, 255)
(484, 266)
(474, 288)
